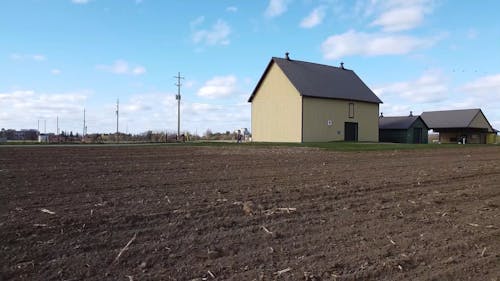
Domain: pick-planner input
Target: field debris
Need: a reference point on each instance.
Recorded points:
(483, 251)
(211, 274)
(125, 248)
(272, 211)
(248, 207)
(473, 224)
(279, 272)
(47, 211)
(390, 240)
(266, 230)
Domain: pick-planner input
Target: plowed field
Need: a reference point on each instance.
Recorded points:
(246, 213)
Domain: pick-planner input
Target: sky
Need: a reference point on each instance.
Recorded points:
(59, 57)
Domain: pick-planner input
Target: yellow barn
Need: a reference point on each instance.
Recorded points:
(298, 101)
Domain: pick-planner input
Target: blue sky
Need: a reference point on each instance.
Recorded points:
(60, 56)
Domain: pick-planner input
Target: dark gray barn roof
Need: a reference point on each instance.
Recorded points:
(451, 118)
(397, 122)
(322, 81)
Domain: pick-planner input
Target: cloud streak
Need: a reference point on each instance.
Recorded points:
(276, 8)
(353, 43)
(399, 15)
(430, 87)
(122, 67)
(217, 87)
(217, 34)
(28, 57)
(314, 18)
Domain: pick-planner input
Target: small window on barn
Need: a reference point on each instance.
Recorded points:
(351, 110)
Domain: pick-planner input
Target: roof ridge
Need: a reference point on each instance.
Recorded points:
(465, 109)
(321, 64)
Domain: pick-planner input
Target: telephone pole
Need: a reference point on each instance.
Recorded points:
(57, 124)
(117, 118)
(84, 125)
(178, 98)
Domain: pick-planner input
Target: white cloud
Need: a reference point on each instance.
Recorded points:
(399, 19)
(33, 57)
(155, 111)
(218, 34)
(138, 70)
(389, 109)
(22, 108)
(485, 86)
(55, 71)
(396, 15)
(219, 86)
(371, 44)
(199, 20)
(314, 18)
(80, 1)
(122, 67)
(232, 9)
(432, 91)
(276, 8)
(430, 87)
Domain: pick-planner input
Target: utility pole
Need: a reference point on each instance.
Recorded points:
(38, 126)
(178, 98)
(45, 126)
(57, 125)
(84, 125)
(117, 118)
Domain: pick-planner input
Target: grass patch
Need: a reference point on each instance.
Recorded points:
(333, 146)
(338, 146)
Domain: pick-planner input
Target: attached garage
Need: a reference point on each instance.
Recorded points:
(402, 129)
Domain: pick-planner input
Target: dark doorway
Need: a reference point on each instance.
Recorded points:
(351, 131)
(417, 135)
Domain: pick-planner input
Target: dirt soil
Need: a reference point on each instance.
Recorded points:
(243, 213)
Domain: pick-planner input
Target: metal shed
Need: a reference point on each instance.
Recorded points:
(403, 129)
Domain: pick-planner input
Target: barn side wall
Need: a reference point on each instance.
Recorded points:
(324, 119)
(276, 109)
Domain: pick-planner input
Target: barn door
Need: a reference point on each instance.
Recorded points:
(351, 131)
(417, 135)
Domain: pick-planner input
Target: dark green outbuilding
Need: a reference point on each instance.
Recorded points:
(403, 129)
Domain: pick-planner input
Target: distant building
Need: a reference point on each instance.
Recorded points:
(464, 126)
(403, 129)
(26, 134)
(43, 138)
